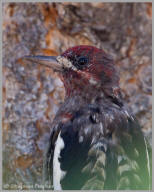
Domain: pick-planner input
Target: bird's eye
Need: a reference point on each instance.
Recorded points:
(82, 60)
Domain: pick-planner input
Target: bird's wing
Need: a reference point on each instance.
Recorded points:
(67, 157)
(81, 156)
(122, 160)
(131, 157)
(48, 157)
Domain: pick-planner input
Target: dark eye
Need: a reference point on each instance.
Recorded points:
(82, 61)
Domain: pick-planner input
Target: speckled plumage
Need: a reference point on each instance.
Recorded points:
(111, 149)
(103, 146)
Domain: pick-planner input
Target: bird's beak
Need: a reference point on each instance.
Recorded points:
(48, 61)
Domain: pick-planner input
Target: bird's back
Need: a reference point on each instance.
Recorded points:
(97, 146)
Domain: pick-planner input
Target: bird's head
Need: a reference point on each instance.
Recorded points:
(84, 70)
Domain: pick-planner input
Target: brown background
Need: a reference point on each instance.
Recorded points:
(32, 93)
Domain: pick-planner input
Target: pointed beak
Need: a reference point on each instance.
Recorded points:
(48, 61)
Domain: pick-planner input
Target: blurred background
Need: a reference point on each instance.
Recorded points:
(32, 94)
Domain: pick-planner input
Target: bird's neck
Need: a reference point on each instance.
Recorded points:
(75, 102)
(89, 92)
(85, 94)
(92, 95)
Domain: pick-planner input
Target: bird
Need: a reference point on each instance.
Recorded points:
(95, 141)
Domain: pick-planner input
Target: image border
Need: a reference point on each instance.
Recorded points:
(1, 51)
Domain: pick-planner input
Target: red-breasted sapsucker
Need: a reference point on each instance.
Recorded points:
(95, 141)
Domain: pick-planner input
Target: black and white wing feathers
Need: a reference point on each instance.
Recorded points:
(98, 148)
